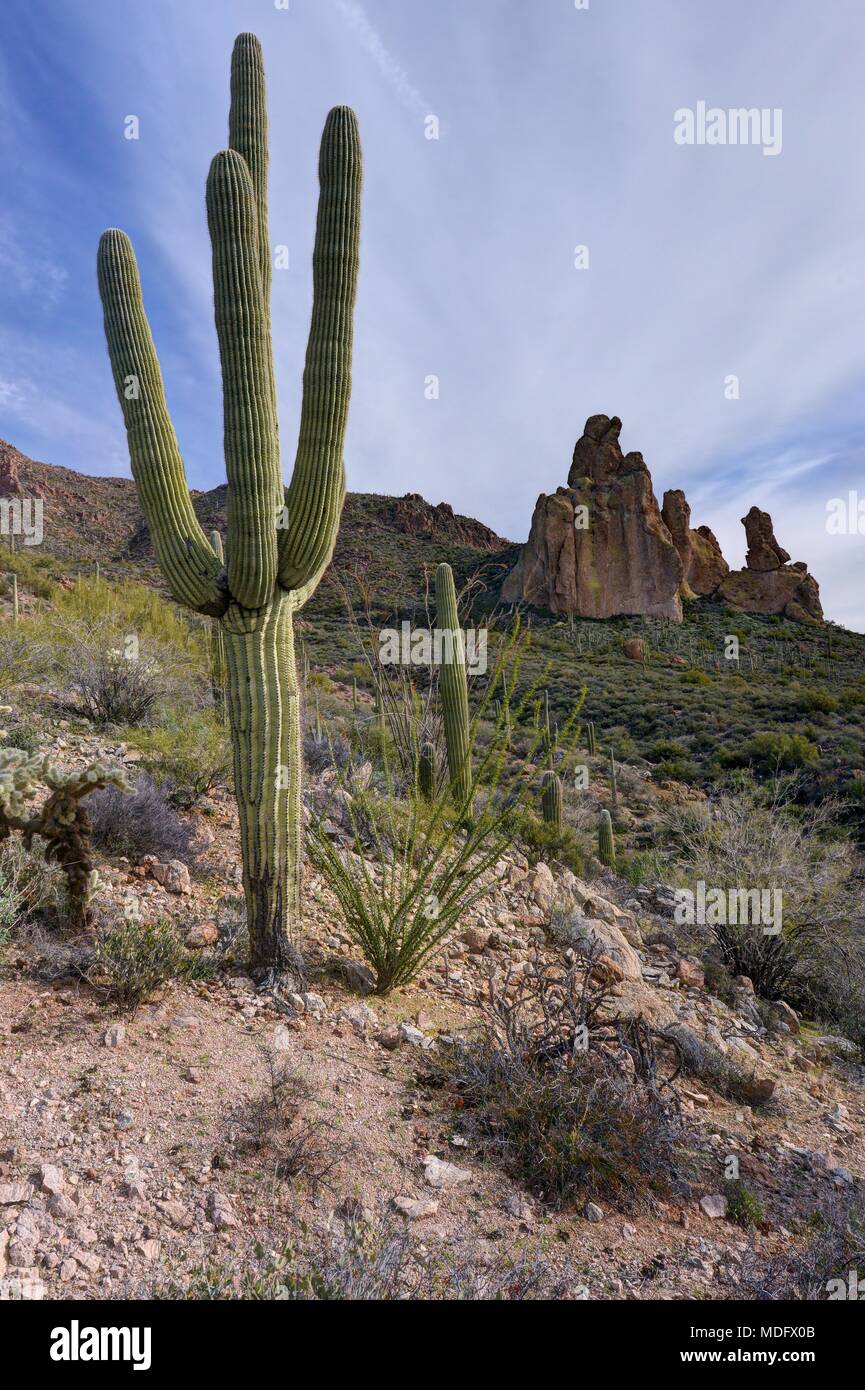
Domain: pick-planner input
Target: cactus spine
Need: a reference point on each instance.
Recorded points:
(217, 640)
(426, 771)
(279, 541)
(606, 841)
(453, 686)
(551, 799)
(591, 739)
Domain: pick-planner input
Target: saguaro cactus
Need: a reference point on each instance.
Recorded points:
(217, 640)
(279, 541)
(552, 798)
(453, 686)
(614, 786)
(426, 770)
(591, 739)
(606, 841)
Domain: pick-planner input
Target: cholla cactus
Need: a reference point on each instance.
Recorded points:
(62, 821)
(453, 685)
(606, 840)
(279, 542)
(552, 798)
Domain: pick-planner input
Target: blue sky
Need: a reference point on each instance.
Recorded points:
(556, 130)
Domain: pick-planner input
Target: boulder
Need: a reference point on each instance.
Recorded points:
(768, 584)
(610, 940)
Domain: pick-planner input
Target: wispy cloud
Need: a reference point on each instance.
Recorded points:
(371, 42)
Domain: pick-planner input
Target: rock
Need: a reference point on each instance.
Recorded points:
(281, 1039)
(15, 1193)
(476, 938)
(389, 1038)
(413, 1036)
(702, 562)
(362, 1018)
(200, 935)
(519, 1206)
(357, 976)
(174, 876)
(768, 584)
(438, 1173)
(780, 1010)
(757, 1090)
(622, 561)
(634, 649)
(314, 1005)
(51, 1179)
(592, 1212)
(415, 1208)
(690, 974)
(714, 1206)
(620, 959)
(177, 1214)
(114, 1035)
(542, 886)
(220, 1212)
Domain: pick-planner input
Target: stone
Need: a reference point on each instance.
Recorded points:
(764, 552)
(314, 1005)
(173, 875)
(620, 959)
(176, 1213)
(220, 1212)
(200, 935)
(542, 886)
(415, 1208)
(476, 938)
(634, 649)
(413, 1036)
(15, 1193)
(114, 1035)
(622, 561)
(592, 1212)
(441, 1174)
(362, 1018)
(690, 974)
(714, 1206)
(781, 1012)
(702, 562)
(389, 1038)
(768, 584)
(51, 1179)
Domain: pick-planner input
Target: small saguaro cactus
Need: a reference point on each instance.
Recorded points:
(217, 639)
(16, 612)
(552, 798)
(614, 789)
(606, 841)
(354, 692)
(426, 771)
(279, 542)
(591, 739)
(453, 686)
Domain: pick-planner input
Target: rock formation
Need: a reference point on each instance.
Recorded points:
(703, 563)
(768, 584)
(599, 546)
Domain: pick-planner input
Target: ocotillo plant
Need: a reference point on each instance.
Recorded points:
(551, 798)
(217, 640)
(279, 541)
(614, 790)
(591, 739)
(426, 771)
(606, 841)
(453, 685)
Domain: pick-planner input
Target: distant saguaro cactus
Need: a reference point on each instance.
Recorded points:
(614, 787)
(15, 608)
(552, 798)
(279, 541)
(606, 840)
(426, 771)
(453, 685)
(591, 739)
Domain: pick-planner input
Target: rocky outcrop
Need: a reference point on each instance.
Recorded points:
(704, 565)
(599, 546)
(768, 584)
(10, 482)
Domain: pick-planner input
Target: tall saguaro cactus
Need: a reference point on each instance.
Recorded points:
(217, 639)
(279, 541)
(453, 685)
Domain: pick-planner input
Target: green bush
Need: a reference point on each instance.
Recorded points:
(742, 1206)
(134, 959)
(187, 757)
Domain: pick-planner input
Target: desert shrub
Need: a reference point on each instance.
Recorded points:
(749, 838)
(712, 1066)
(819, 1267)
(540, 840)
(126, 607)
(114, 690)
(21, 657)
(817, 701)
(143, 823)
(28, 883)
(574, 1107)
(695, 677)
(134, 959)
(233, 927)
(742, 1206)
(187, 757)
(369, 1262)
(277, 1124)
(327, 751)
(773, 752)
